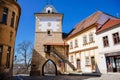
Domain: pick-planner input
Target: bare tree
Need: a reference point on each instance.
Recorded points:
(25, 49)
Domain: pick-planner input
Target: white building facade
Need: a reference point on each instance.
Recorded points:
(109, 46)
(83, 43)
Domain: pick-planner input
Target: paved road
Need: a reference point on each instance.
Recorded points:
(65, 77)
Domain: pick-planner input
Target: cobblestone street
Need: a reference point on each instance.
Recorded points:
(111, 76)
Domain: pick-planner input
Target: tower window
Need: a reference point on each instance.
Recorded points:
(5, 14)
(49, 32)
(48, 11)
(12, 19)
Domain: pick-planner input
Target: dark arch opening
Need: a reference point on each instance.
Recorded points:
(49, 61)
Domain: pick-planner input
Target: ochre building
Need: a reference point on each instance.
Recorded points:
(9, 18)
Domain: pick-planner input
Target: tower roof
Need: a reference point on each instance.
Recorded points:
(49, 9)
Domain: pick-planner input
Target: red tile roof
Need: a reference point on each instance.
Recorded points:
(96, 18)
(85, 23)
(109, 24)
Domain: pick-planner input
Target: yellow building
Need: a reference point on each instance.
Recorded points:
(9, 18)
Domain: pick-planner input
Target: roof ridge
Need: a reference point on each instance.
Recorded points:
(88, 17)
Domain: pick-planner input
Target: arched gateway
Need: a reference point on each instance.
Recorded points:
(49, 68)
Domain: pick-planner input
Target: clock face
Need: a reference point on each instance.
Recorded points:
(49, 24)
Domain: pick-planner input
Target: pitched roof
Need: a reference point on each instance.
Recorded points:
(109, 24)
(98, 17)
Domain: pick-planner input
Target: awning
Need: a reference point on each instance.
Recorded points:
(112, 54)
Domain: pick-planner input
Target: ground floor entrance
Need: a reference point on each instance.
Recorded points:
(113, 63)
(49, 68)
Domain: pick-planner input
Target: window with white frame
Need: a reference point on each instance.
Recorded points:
(116, 38)
(85, 39)
(105, 41)
(87, 61)
(71, 59)
(91, 38)
(76, 43)
(71, 45)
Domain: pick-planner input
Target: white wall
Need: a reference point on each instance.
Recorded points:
(82, 54)
(111, 48)
(80, 41)
(42, 23)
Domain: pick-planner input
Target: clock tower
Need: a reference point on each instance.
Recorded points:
(48, 28)
(48, 34)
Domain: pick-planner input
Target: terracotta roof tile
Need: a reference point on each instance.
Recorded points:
(85, 23)
(109, 24)
(98, 17)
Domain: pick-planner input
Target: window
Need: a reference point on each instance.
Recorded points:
(76, 43)
(8, 57)
(87, 61)
(12, 19)
(116, 38)
(105, 41)
(91, 37)
(1, 50)
(71, 45)
(47, 48)
(48, 11)
(1, 47)
(85, 40)
(4, 17)
(49, 32)
(11, 35)
(71, 59)
(78, 64)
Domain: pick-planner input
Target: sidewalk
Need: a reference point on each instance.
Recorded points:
(108, 76)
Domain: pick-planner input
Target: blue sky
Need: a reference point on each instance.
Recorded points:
(74, 11)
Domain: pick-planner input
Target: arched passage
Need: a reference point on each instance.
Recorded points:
(49, 68)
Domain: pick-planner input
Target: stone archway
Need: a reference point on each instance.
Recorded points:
(49, 68)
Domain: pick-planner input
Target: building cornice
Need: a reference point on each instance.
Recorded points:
(87, 49)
